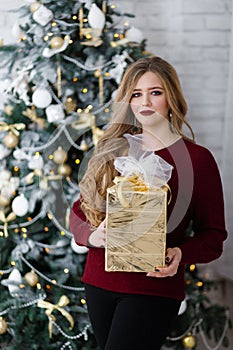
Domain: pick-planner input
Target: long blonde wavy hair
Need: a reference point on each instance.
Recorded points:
(101, 172)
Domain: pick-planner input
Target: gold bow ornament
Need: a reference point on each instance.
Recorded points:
(44, 179)
(87, 120)
(6, 219)
(32, 115)
(63, 301)
(12, 127)
(92, 36)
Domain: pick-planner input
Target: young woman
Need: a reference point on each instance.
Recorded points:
(130, 310)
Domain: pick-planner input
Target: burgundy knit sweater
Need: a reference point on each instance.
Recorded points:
(197, 197)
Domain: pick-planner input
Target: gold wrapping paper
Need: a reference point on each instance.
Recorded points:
(136, 232)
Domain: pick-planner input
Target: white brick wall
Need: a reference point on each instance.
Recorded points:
(7, 19)
(195, 37)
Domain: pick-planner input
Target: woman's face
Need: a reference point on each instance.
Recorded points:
(148, 101)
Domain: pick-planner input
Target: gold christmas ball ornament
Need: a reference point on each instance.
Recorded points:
(31, 278)
(11, 140)
(34, 6)
(64, 169)
(60, 156)
(56, 42)
(189, 341)
(3, 326)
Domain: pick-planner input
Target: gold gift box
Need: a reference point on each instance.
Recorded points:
(136, 229)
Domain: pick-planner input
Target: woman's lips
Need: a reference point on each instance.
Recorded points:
(147, 112)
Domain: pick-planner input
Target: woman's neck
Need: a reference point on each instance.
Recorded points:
(159, 140)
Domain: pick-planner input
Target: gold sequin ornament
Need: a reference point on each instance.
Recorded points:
(56, 42)
(11, 140)
(189, 341)
(64, 169)
(60, 156)
(31, 278)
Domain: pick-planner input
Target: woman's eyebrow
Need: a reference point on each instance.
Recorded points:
(150, 88)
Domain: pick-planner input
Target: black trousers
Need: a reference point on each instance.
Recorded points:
(130, 322)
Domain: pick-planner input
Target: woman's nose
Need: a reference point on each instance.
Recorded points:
(146, 100)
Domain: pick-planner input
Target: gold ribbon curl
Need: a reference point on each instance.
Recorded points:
(63, 301)
(80, 18)
(44, 179)
(6, 219)
(59, 80)
(104, 7)
(31, 114)
(92, 36)
(12, 127)
(135, 183)
(87, 120)
(44, 182)
(98, 74)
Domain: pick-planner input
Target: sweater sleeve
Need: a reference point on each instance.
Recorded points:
(79, 226)
(209, 230)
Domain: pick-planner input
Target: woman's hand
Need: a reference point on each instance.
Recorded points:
(173, 258)
(98, 237)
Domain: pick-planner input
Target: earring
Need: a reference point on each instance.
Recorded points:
(134, 129)
(171, 121)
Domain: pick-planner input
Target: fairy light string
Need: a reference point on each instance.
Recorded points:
(73, 337)
(6, 272)
(67, 345)
(202, 334)
(76, 289)
(197, 326)
(23, 306)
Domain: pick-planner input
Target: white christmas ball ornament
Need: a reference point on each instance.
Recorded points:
(43, 15)
(96, 17)
(41, 98)
(55, 113)
(183, 307)
(134, 35)
(78, 248)
(20, 205)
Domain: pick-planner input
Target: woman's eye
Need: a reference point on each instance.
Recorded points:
(136, 94)
(156, 92)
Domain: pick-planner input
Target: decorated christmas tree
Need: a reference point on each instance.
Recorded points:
(60, 80)
(60, 77)
(202, 322)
